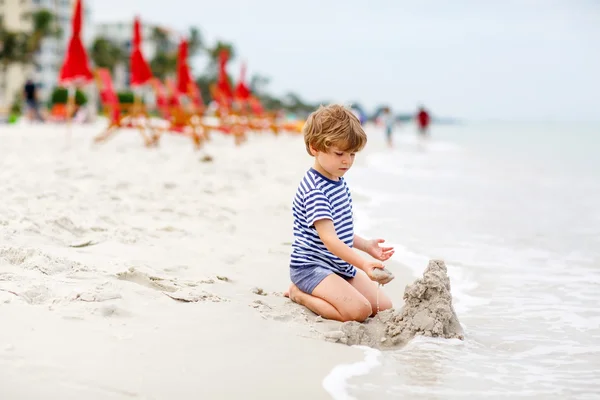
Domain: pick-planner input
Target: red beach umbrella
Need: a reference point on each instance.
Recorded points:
(242, 91)
(184, 77)
(75, 67)
(223, 82)
(140, 70)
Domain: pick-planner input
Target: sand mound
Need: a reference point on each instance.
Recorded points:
(427, 311)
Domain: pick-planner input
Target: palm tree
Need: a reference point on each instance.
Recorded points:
(21, 47)
(106, 54)
(195, 42)
(292, 102)
(160, 37)
(164, 61)
(13, 50)
(214, 52)
(43, 25)
(163, 64)
(258, 83)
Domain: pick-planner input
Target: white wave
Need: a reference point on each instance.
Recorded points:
(336, 382)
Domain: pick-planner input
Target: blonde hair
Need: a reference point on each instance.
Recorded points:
(333, 125)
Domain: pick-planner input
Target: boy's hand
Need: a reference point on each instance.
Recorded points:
(378, 252)
(375, 271)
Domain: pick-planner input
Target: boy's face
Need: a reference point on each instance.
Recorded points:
(334, 162)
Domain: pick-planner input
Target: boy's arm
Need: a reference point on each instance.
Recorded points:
(360, 243)
(327, 233)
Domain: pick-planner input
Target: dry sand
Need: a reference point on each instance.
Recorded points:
(134, 273)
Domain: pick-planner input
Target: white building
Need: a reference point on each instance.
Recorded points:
(48, 61)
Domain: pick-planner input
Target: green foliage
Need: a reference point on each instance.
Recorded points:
(13, 47)
(292, 102)
(204, 83)
(258, 83)
(195, 42)
(215, 51)
(21, 47)
(106, 54)
(60, 95)
(163, 64)
(45, 24)
(213, 56)
(15, 108)
(127, 97)
(160, 37)
(271, 102)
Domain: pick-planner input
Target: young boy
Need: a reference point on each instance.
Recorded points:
(328, 276)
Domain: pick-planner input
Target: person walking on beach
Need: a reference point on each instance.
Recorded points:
(328, 276)
(423, 121)
(359, 114)
(31, 101)
(388, 122)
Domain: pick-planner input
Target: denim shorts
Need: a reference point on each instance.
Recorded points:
(306, 278)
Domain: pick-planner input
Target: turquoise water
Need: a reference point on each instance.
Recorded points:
(514, 210)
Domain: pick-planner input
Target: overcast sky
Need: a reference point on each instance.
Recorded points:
(474, 59)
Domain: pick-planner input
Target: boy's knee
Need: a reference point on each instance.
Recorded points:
(384, 304)
(360, 313)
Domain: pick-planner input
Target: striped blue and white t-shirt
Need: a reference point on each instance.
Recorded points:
(318, 198)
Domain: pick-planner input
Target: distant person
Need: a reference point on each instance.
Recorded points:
(31, 101)
(81, 114)
(356, 112)
(360, 115)
(388, 122)
(423, 121)
(328, 276)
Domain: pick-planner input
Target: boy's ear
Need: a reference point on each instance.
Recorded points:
(312, 150)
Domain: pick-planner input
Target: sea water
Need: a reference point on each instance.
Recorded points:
(514, 210)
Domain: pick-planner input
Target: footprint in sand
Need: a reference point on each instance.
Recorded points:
(66, 224)
(280, 309)
(122, 185)
(34, 259)
(99, 294)
(111, 310)
(182, 291)
(36, 295)
(194, 295)
(176, 268)
(258, 291)
(143, 279)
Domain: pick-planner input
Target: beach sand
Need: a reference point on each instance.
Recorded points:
(128, 272)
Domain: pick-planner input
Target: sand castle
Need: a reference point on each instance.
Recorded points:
(427, 311)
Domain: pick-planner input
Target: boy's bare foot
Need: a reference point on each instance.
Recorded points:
(292, 292)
